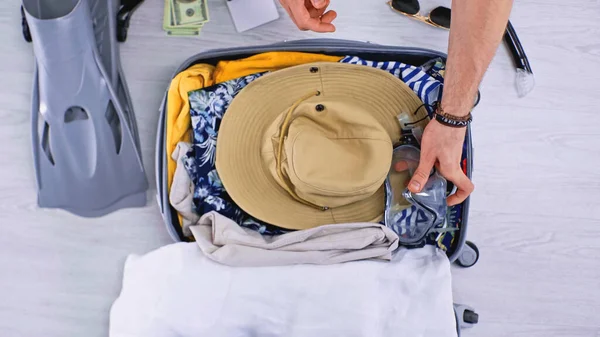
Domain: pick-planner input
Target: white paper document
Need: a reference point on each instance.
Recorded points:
(248, 14)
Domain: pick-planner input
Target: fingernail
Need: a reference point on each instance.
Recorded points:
(415, 185)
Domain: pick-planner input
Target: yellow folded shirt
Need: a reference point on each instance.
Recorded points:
(178, 109)
(271, 61)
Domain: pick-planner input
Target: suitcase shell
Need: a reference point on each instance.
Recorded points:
(364, 50)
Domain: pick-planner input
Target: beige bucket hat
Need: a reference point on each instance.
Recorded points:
(312, 144)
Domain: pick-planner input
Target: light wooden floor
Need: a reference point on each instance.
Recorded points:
(535, 212)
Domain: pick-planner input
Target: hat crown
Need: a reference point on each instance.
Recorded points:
(333, 153)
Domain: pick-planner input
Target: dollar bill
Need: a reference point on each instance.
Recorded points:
(184, 17)
(188, 12)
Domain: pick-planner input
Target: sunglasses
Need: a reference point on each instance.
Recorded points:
(438, 17)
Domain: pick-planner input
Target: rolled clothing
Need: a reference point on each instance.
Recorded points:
(182, 189)
(224, 241)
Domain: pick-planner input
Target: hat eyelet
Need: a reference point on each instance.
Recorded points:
(319, 107)
(314, 69)
(324, 208)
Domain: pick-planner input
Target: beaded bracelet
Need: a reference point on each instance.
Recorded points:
(451, 120)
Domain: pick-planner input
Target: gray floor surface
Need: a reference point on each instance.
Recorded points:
(535, 212)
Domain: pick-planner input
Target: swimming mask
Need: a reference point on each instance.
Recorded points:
(413, 215)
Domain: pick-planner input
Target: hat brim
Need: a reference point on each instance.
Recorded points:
(239, 160)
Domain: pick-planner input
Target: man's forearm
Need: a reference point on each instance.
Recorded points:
(476, 31)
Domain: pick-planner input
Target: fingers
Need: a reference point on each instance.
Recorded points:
(315, 24)
(329, 17)
(421, 175)
(320, 4)
(326, 17)
(313, 20)
(316, 10)
(464, 187)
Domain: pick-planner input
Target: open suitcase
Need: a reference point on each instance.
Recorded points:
(462, 252)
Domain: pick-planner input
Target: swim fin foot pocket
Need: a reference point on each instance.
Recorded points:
(125, 11)
(86, 145)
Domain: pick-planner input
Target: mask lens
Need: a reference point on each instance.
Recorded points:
(440, 16)
(412, 216)
(410, 7)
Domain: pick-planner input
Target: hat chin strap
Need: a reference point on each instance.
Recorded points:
(283, 131)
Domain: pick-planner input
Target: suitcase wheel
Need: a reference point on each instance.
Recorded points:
(466, 317)
(469, 255)
(471, 317)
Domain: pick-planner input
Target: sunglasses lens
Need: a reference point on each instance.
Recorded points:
(410, 7)
(440, 16)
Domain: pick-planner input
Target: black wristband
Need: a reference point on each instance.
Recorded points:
(451, 120)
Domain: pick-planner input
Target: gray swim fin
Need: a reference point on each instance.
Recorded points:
(104, 19)
(86, 156)
(104, 14)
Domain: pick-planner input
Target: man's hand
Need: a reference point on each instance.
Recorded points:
(310, 14)
(442, 146)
